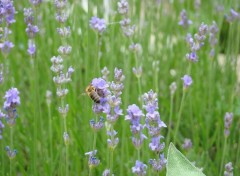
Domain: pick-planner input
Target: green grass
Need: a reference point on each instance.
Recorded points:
(215, 89)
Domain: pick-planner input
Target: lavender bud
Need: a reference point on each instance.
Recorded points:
(228, 118)
(137, 71)
(185, 22)
(6, 47)
(187, 144)
(105, 72)
(64, 31)
(136, 47)
(66, 138)
(60, 4)
(62, 92)
(61, 17)
(123, 7)
(97, 24)
(92, 160)
(63, 111)
(11, 153)
(139, 168)
(65, 50)
(96, 126)
(228, 169)
(173, 88)
(187, 81)
(31, 30)
(158, 164)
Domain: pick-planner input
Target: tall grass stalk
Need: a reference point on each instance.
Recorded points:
(179, 116)
(223, 156)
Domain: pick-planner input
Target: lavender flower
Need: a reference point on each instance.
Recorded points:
(31, 48)
(228, 169)
(228, 118)
(158, 164)
(127, 29)
(60, 4)
(139, 168)
(97, 24)
(96, 126)
(36, 2)
(7, 12)
(105, 73)
(233, 16)
(92, 160)
(112, 108)
(185, 22)
(136, 47)
(6, 47)
(64, 31)
(31, 30)
(12, 100)
(11, 153)
(187, 144)
(154, 125)
(28, 15)
(137, 71)
(123, 7)
(134, 115)
(187, 80)
(197, 42)
(213, 30)
(2, 115)
(106, 172)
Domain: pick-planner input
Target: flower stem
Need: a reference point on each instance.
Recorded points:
(179, 116)
(50, 138)
(170, 121)
(223, 155)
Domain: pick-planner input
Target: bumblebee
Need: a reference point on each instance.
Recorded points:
(92, 93)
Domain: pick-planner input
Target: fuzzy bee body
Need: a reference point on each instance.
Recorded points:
(91, 91)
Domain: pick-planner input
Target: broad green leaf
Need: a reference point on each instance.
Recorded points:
(179, 165)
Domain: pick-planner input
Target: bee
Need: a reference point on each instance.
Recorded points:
(92, 93)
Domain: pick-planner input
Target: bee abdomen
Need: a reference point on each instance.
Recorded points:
(95, 97)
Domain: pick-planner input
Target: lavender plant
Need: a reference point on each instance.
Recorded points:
(228, 118)
(154, 125)
(184, 22)
(213, 30)
(62, 76)
(228, 169)
(134, 115)
(113, 111)
(100, 86)
(7, 18)
(187, 81)
(12, 100)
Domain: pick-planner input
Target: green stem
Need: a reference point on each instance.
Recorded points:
(111, 162)
(11, 148)
(223, 155)
(179, 116)
(138, 153)
(170, 121)
(50, 136)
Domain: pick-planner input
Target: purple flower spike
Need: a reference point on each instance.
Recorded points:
(139, 168)
(187, 80)
(228, 118)
(185, 22)
(31, 48)
(6, 47)
(12, 98)
(99, 83)
(97, 24)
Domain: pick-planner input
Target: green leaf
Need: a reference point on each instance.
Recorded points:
(179, 165)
